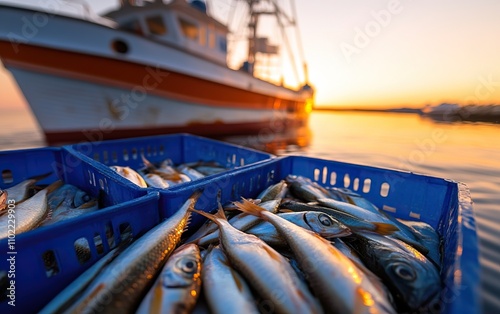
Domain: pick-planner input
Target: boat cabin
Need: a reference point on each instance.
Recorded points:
(179, 23)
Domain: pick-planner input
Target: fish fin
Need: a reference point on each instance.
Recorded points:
(272, 253)
(157, 298)
(237, 280)
(250, 208)
(212, 217)
(149, 166)
(54, 186)
(384, 228)
(220, 212)
(284, 210)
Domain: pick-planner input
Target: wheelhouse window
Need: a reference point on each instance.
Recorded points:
(133, 26)
(156, 25)
(190, 30)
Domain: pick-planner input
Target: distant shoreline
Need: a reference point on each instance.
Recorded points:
(395, 110)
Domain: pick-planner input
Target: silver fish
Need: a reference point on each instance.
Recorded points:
(403, 233)
(428, 237)
(65, 298)
(225, 289)
(412, 278)
(193, 174)
(71, 213)
(21, 191)
(304, 189)
(353, 222)
(131, 175)
(178, 286)
(273, 192)
(349, 292)
(154, 180)
(317, 222)
(241, 222)
(3, 200)
(266, 270)
(66, 198)
(121, 285)
(30, 213)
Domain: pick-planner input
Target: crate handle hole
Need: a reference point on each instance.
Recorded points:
(384, 189)
(105, 158)
(125, 231)
(347, 180)
(98, 243)
(125, 155)
(96, 156)
(82, 250)
(333, 178)
(50, 263)
(325, 175)
(114, 156)
(355, 184)
(7, 176)
(367, 185)
(134, 153)
(242, 161)
(316, 174)
(110, 236)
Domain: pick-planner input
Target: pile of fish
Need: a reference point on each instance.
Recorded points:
(31, 206)
(296, 248)
(166, 175)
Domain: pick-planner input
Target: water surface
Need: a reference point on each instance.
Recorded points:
(460, 151)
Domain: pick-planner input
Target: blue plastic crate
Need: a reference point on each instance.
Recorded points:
(446, 205)
(46, 258)
(180, 148)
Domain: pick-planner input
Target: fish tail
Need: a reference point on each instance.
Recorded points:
(384, 228)
(250, 208)
(214, 217)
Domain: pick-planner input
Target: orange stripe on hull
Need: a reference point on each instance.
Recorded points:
(129, 75)
(209, 130)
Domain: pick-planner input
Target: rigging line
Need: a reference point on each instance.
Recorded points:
(299, 38)
(287, 43)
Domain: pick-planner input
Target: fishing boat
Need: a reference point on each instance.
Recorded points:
(146, 68)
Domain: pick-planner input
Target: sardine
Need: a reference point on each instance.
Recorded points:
(353, 222)
(190, 172)
(30, 213)
(413, 280)
(67, 197)
(21, 191)
(131, 175)
(241, 222)
(403, 233)
(317, 222)
(66, 297)
(71, 213)
(266, 270)
(122, 284)
(338, 283)
(154, 180)
(225, 289)
(273, 192)
(3, 201)
(178, 285)
(428, 237)
(304, 189)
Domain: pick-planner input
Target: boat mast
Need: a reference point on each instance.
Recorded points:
(252, 37)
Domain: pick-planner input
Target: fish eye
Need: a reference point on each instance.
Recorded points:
(188, 265)
(404, 272)
(325, 220)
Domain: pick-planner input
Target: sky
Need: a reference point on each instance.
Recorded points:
(381, 53)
